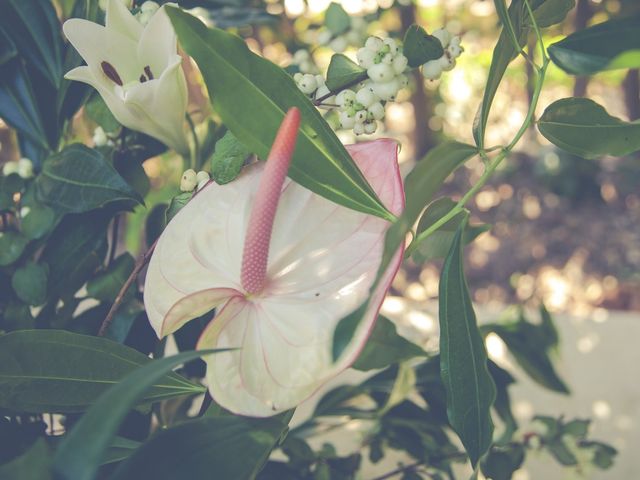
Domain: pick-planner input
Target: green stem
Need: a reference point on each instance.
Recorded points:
(490, 166)
(195, 153)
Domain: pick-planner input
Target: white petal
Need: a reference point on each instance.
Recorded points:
(158, 42)
(120, 19)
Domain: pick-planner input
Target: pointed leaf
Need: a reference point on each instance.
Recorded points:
(582, 127)
(336, 19)
(79, 179)
(233, 447)
(606, 46)
(343, 72)
(84, 447)
(30, 283)
(463, 358)
(228, 159)
(31, 465)
(252, 95)
(58, 371)
(420, 47)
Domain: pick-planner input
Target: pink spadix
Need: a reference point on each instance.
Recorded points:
(256, 244)
(282, 266)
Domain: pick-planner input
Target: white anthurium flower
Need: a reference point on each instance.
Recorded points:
(136, 69)
(283, 266)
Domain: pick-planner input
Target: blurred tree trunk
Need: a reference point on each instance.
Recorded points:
(584, 12)
(422, 136)
(631, 87)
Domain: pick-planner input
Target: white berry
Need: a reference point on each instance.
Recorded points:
(346, 98)
(188, 181)
(25, 168)
(365, 57)
(370, 128)
(100, 138)
(443, 35)
(380, 72)
(400, 64)
(358, 128)
(307, 84)
(324, 37)
(338, 44)
(446, 63)
(392, 44)
(9, 168)
(361, 116)
(377, 110)
(346, 120)
(373, 43)
(432, 69)
(366, 97)
(387, 90)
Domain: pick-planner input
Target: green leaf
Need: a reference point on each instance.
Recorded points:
(12, 244)
(606, 46)
(577, 428)
(582, 127)
(30, 283)
(531, 345)
(336, 19)
(230, 447)
(510, 42)
(252, 96)
(33, 26)
(63, 372)
(84, 447)
(438, 243)
(7, 48)
(502, 462)
(98, 111)
(420, 186)
(18, 105)
(31, 465)
(120, 449)
(79, 179)
(420, 47)
(603, 454)
(463, 358)
(75, 250)
(343, 72)
(38, 221)
(106, 286)
(502, 403)
(386, 347)
(561, 452)
(228, 159)
(176, 204)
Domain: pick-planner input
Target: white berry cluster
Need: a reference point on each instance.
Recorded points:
(339, 43)
(313, 86)
(23, 168)
(452, 50)
(361, 109)
(191, 180)
(100, 138)
(147, 9)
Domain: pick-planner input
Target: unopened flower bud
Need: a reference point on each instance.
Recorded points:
(432, 69)
(9, 168)
(365, 57)
(374, 44)
(377, 110)
(189, 180)
(100, 138)
(380, 73)
(370, 127)
(400, 64)
(387, 90)
(25, 168)
(365, 97)
(443, 35)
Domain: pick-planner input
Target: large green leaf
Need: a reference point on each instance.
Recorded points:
(12, 244)
(225, 447)
(31, 465)
(30, 283)
(420, 47)
(463, 358)
(605, 46)
(421, 185)
(252, 96)
(75, 250)
(546, 13)
(58, 371)
(79, 179)
(84, 447)
(386, 347)
(581, 126)
(531, 345)
(34, 28)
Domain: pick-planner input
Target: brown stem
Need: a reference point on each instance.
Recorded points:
(114, 239)
(140, 263)
(356, 81)
(398, 471)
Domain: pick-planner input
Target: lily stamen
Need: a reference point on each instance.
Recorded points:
(111, 73)
(147, 70)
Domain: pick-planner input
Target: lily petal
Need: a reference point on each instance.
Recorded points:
(158, 42)
(120, 19)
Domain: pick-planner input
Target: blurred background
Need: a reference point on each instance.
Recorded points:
(564, 230)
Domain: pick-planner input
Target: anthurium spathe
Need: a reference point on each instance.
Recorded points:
(136, 69)
(284, 266)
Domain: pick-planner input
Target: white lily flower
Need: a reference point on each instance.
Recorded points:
(136, 69)
(283, 266)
